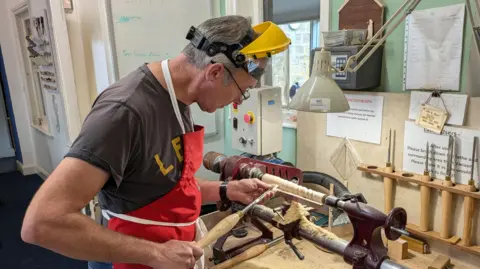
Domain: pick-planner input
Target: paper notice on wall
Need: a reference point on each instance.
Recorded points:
(414, 152)
(456, 105)
(433, 49)
(363, 122)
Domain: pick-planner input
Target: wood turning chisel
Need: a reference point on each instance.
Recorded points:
(425, 195)
(248, 254)
(388, 182)
(447, 196)
(228, 223)
(468, 203)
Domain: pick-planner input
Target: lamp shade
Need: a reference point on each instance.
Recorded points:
(320, 93)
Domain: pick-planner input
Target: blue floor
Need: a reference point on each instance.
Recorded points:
(16, 192)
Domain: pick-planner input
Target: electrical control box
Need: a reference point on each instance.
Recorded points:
(257, 123)
(368, 77)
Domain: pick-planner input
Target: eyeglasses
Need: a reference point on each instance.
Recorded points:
(246, 93)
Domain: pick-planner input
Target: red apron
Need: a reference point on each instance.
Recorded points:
(176, 214)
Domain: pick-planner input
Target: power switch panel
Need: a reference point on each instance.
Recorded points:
(260, 131)
(235, 123)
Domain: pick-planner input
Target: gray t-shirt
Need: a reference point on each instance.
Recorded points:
(133, 134)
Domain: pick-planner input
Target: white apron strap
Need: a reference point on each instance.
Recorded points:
(173, 97)
(107, 214)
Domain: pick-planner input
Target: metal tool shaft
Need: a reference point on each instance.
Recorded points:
(389, 147)
(426, 160)
(474, 151)
(450, 156)
(259, 199)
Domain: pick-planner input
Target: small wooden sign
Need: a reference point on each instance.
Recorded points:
(432, 118)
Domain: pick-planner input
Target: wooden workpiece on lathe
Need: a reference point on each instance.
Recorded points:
(293, 188)
(425, 204)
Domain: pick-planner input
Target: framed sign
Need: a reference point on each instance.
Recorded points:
(68, 6)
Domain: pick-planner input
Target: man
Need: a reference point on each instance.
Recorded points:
(139, 150)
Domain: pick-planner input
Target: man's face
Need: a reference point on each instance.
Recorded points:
(218, 94)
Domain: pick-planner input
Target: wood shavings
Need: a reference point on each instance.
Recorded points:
(298, 212)
(282, 256)
(294, 213)
(315, 230)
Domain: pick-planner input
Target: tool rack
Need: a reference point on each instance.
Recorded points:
(459, 189)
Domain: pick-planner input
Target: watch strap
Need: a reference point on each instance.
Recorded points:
(225, 203)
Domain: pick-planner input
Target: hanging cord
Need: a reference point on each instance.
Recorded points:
(436, 94)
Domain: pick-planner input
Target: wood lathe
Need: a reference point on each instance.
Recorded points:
(365, 250)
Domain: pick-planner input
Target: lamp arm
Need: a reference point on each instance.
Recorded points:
(476, 29)
(353, 58)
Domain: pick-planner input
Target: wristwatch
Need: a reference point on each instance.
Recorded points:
(225, 203)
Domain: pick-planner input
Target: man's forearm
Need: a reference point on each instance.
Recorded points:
(77, 236)
(210, 190)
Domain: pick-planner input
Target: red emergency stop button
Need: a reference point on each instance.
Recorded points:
(235, 106)
(249, 118)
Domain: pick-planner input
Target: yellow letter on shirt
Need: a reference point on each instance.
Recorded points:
(162, 167)
(176, 143)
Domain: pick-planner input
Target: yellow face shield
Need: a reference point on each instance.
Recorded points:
(271, 40)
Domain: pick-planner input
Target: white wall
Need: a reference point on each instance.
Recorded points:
(40, 152)
(17, 85)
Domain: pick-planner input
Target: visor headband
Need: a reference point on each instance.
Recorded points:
(232, 51)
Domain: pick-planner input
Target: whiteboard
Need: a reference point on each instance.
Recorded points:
(153, 30)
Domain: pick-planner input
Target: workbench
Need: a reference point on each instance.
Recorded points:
(281, 255)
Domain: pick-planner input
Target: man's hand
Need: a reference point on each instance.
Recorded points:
(176, 254)
(246, 191)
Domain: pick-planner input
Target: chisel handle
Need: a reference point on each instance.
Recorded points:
(388, 190)
(248, 254)
(223, 227)
(468, 218)
(446, 211)
(425, 203)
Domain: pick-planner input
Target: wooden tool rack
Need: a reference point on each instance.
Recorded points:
(467, 191)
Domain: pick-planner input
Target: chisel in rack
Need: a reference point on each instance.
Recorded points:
(468, 203)
(447, 196)
(388, 182)
(425, 195)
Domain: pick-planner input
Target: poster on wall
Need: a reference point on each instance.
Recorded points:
(433, 48)
(414, 152)
(363, 122)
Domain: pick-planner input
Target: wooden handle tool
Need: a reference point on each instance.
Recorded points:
(469, 202)
(248, 254)
(228, 223)
(223, 227)
(447, 196)
(388, 182)
(425, 196)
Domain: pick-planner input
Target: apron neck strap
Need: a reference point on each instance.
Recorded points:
(173, 97)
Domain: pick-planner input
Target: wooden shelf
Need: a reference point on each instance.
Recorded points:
(414, 229)
(454, 241)
(461, 189)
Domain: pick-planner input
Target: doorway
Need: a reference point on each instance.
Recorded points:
(8, 145)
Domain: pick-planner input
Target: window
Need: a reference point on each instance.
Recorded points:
(32, 74)
(291, 68)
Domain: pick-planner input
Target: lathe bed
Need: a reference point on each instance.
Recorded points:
(281, 256)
